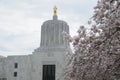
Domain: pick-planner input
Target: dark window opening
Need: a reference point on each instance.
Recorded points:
(16, 65)
(15, 74)
(48, 72)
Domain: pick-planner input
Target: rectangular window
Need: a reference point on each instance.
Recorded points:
(16, 65)
(15, 74)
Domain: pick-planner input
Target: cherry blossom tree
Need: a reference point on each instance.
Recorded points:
(97, 50)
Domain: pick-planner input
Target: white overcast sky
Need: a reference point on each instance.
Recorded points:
(21, 20)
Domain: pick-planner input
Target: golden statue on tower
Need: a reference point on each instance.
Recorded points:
(55, 10)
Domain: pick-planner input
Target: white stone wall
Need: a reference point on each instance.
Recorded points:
(30, 66)
(50, 57)
(2, 68)
(23, 70)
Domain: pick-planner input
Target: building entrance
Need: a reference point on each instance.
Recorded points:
(48, 72)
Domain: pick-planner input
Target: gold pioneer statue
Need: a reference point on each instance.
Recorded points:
(55, 10)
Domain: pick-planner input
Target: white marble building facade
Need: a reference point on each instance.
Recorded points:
(46, 62)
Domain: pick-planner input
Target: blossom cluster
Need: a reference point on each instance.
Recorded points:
(97, 51)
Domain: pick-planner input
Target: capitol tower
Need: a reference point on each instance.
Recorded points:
(47, 62)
